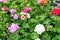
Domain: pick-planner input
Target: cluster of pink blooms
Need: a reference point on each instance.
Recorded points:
(12, 28)
(25, 11)
(13, 11)
(4, 1)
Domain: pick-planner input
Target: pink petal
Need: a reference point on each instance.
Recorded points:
(15, 16)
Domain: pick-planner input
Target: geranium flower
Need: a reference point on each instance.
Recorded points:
(25, 12)
(5, 8)
(12, 11)
(56, 11)
(39, 28)
(26, 9)
(22, 17)
(13, 27)
(15, 16)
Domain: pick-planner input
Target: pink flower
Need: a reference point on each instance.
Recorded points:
(12, 11)
(1, 0)
(13, 27)
(39, 1)
(27, 9)
(15, 16)
(4, 1)
(22, 17)
(5, 8)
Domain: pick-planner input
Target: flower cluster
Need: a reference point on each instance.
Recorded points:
(13, 11)
(13, 27)
(25, 12)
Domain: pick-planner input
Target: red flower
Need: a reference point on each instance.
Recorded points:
(56, 11)
(5, 8)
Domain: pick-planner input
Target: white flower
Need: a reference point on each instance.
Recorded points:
(28, 15)
(39, 28)
(37, 39)
(22, 17)
(23, 13)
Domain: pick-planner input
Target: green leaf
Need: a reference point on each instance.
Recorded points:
(13, 36)
(25, 25)
(45, 36)
(34, 35)
(47, 21)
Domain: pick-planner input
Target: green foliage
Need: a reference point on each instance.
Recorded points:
(41, 13)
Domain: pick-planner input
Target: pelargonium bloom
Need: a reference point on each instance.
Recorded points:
(12, 11)
(27, 9)
(56, 11)
(5, 8)
(13, 27)
(15, 16)
(22, 17)
(39, 28)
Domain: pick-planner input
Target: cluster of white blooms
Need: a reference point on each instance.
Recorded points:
(39, 28)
